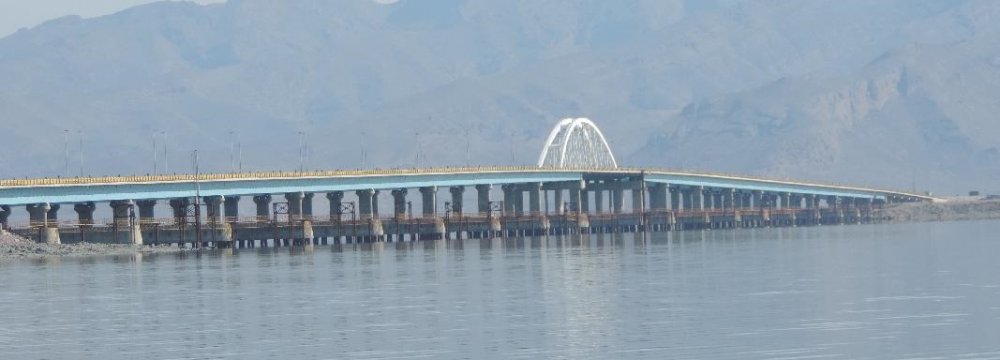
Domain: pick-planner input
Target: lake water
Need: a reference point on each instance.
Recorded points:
(903, 291)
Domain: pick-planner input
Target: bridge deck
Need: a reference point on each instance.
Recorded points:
(98, 189)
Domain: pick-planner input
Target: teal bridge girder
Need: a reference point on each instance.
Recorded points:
(102, 189)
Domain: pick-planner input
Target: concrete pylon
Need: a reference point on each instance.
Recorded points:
(213, 209)
(146, 212)
(708, 199)
(575, 200)
(758, 199)
(366, 203)
(584, 201)
(231, 208)
(457, 199)
(307, 205)
(295, 206)
(675, 197)
(557, 196)
(483, 198)
(37, 214)
(53, 213)
(617, 199)
(728, 199)
(336, 199)
(85, 213)
(598, 201)
(399, 203)
(263, 203)
(534, 197)
(638, 202)
(179, 207)
(429, 196)
(508, 198)
(4, 216)
(123, 211)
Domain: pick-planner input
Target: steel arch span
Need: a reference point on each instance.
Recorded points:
(576, 144)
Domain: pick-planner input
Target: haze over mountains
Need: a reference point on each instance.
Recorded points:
(894, 93)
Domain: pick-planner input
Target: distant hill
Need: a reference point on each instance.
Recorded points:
(888, 93)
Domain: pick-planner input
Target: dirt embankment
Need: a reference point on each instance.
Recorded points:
(15, 247)
(954, 210)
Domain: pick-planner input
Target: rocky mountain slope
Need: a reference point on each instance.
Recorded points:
(893, 93)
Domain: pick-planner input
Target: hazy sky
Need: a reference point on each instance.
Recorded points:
(16, 14)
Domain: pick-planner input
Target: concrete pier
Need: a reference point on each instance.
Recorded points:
(263, 204)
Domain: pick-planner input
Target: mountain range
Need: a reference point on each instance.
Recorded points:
(890, 93)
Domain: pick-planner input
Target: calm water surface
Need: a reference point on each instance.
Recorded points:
(847, 292)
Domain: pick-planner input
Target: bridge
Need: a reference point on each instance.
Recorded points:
(576, 187)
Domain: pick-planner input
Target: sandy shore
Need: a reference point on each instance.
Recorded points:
(14, 247)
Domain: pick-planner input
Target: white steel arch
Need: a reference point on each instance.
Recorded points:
(577, 144)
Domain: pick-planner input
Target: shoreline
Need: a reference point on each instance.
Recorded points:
(13, 248)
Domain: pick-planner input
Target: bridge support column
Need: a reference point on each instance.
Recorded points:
(85, 213)
(687, 197)
(575, 200)
(457, 199)
(295, 206)
(657, 196)
(696, 200)
(757, 197)
(231, 208)
(147, 210)
(399, 204)
(557, 197)
(4, 216)
(584, 201)
(336, 199)
(617, 195)
(179, 207)
(263, 203)
(708, 199)
(213, 209)
(39, 215)
(599, 201)
(675, 198)
(366, 203)
(307, 205)
(123, 212)
(638, 200)
(534, 197)
(429, 195)
(483, 198)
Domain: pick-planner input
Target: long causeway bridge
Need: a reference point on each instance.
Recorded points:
(571, 191)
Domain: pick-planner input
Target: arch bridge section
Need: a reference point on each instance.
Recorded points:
(576, 144)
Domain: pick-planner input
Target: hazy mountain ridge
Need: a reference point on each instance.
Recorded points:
(682, 74)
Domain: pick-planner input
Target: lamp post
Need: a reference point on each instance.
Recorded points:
(66, 152)
(154, 153)
(79, 134)
(301, 151)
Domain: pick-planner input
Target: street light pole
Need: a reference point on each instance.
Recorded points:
(155, 169)
(79, 134)
(239, 144)
(301, 152)
(232, 150)
(66, 151)
(166, 164)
